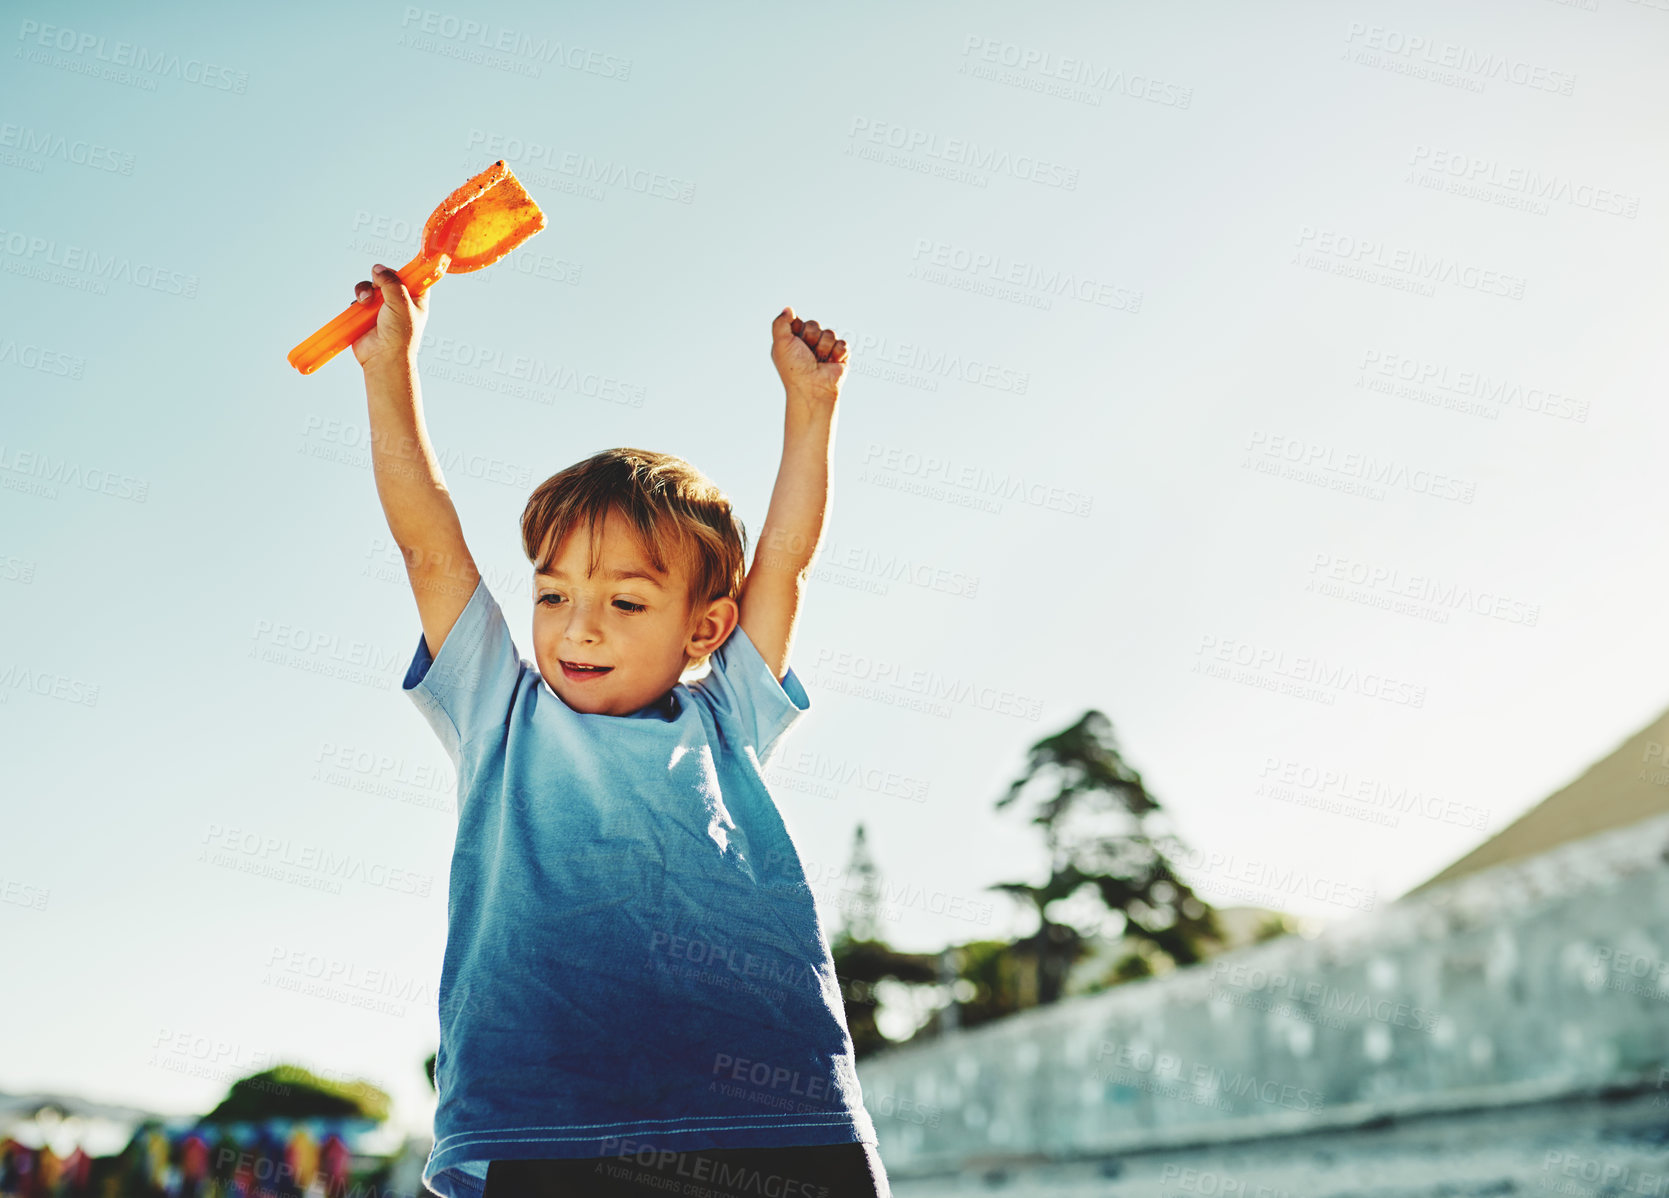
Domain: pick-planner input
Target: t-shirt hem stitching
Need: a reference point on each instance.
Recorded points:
(604, 1131)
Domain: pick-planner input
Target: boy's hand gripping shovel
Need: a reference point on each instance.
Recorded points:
(475, 226)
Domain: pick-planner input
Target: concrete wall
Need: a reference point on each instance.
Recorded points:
(1532, 979)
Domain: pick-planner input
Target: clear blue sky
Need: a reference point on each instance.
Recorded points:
(1156, 219)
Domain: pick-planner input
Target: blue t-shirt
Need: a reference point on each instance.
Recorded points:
(632, 950)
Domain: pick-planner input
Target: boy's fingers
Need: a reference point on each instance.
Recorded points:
(393, 286)
(825, 345)
(810, 333)
(364, 290)
(840, 352)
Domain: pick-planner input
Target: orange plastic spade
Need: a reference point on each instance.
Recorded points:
(475, 226)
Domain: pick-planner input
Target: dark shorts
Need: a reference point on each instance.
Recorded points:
(825, 1171)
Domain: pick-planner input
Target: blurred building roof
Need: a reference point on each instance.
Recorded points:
(1628, 785)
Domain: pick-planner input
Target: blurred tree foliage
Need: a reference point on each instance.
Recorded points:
(862, 959)
(1105, 860)
(861, 965)
(292, 1092)
(1112, 879)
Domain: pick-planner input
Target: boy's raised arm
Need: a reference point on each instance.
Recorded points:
(812, 362)
(421, 516)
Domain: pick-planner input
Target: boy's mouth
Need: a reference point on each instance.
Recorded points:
(579, 671)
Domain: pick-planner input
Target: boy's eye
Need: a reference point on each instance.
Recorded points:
(623, 604)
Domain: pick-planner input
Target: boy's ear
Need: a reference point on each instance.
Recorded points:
(711, 626)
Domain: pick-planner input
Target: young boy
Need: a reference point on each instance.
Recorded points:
(637, 995)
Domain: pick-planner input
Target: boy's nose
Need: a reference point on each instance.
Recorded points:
(582, 625)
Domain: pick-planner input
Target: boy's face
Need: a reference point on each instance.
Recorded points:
(627, 617)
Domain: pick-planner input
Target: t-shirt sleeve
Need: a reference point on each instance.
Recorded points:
(468, 690)
(748, 701)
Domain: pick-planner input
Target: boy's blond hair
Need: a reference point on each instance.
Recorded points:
(676, 511)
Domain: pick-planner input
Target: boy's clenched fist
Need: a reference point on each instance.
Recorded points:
(399, 328)
(810, 359)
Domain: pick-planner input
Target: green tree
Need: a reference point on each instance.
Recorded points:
(860, 966)
(292, 1092)
(862, 958)
(860, 905)
(1105, 859)
(995, 980)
